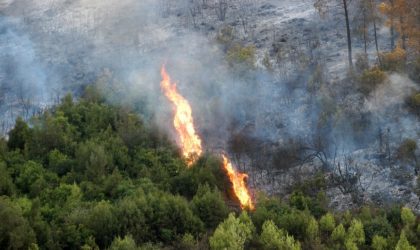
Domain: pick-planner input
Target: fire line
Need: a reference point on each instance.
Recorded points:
(190, 142)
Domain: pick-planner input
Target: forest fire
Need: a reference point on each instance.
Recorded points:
(239, 186)
(189, 141)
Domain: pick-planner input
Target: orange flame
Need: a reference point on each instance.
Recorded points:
(239, 186)
(183, 121)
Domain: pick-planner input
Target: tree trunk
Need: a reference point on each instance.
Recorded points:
(376, 40)
(364, 31)
(392, 27)
(403, 36)
(348, 33)
(374, 31)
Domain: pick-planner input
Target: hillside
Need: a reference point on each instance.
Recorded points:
(166, 108)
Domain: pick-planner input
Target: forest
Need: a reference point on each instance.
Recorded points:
(88, 175)
(277, 125)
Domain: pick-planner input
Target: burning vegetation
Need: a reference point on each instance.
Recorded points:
(190, 142)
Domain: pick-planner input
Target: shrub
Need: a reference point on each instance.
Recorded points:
(407, 216)
(242, 56)
(231, 234)
(407, 150)
(370, 79)
(327, 223)
(379, 243)
(274, 238)
(394, 60)
(209, 206)
(413, 103)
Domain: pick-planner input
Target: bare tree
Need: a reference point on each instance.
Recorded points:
(322, 7)
(245, 10)
(195, 10)
(221, 8)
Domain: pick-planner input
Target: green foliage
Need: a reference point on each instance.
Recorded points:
(312, 231)
(356, 233)
(327, 223)
(378, 226)
(274, 238)
(19, 135)
(403, 243)
(232, 233)
(7, 186)
(209, 206)
(126, 243)
(379, 243)
(339, 233)
(188, 242)
(407, 216)
(86, 175)
(298, 200)
(15, 230)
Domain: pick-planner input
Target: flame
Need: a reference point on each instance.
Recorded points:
(239, 186)
(189, 141)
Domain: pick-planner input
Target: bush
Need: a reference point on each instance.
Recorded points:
(241, 56)
(379, 243)
(209, 206)
(327, 223)
(413, 103)
(274, 238)
(394, 60)
(406, 151)
(233, 233)
(370, 79)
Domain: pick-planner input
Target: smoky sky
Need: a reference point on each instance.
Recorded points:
(49, 48)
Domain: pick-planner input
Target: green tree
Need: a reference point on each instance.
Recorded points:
(126, 243)
(339, 233)
(355, 232)
(379, 243)
(15, 231)
(7, 186)
(274, 238)
(403, 243)
(209, 206)
(407, 217)
(231, 234)
(102, 221)
(18, 136)
(327, 223)
(312, 231)
(33, 178)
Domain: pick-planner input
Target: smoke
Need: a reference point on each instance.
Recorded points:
(49, 48)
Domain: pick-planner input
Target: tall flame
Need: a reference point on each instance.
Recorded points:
(189, 141)
(239, 186)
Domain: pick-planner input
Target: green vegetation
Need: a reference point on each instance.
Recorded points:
(86, 175)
